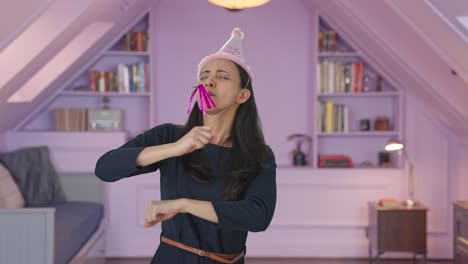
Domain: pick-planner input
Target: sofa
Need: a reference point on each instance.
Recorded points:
(37, 222)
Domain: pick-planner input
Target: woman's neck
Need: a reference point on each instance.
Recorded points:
(221, 126)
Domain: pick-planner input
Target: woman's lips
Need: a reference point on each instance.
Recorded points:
(212, 94)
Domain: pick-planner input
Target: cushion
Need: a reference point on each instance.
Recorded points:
(35, 175)
(75, 223)
(10, 195)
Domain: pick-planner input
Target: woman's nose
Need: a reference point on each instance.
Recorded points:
(209, 83)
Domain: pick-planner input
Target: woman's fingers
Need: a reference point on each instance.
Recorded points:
(159, 211)
(152, 214)
(148, 212)
(200, 143)
(205, 134)
(149, 224)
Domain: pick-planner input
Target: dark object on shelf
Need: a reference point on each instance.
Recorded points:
(378, 84)
(460, 234)
(81, 88)
(366, 164)
(384, 159)
(334, 161)
(364, 125)
(299, 157)
(381, 123)
(397, 228)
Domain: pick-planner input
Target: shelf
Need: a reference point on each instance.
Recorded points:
(70, 151)
(356, 176)
(358, 134)
(88, 93)
(338, 54)
(360, 94)
(359, 168)
(291, 168)
(126, 53)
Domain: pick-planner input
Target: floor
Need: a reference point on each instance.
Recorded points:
(292, 261)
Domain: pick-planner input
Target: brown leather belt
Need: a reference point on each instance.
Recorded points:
(223, 258)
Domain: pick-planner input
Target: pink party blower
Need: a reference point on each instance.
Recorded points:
(204, 98)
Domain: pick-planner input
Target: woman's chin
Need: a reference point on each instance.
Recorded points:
(212, 111)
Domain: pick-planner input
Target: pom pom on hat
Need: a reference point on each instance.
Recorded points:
(237, 31)
(232, 50)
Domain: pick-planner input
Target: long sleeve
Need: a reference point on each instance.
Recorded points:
(255, 212)
(121, 162)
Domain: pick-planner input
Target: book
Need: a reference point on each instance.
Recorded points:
(389, 202)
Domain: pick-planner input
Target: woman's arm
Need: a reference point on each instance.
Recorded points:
(202, 209)
(133, 157)
(158, 211)
(153, 154)
(144, 153)
(254, 213)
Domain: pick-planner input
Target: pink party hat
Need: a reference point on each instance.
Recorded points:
(232, 50)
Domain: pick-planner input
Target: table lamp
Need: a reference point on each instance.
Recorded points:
(396, 145)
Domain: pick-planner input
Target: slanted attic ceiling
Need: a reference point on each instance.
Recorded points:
(413, 44)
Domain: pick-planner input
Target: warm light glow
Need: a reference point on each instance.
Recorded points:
(394, 145)
(239, 4)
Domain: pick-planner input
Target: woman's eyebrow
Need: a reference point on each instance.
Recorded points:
(217, 71)
(223, 71)
(205, 71)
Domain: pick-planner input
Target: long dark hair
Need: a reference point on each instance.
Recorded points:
(247, 152)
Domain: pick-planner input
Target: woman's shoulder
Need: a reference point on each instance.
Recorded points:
(166, 127)
(269, 160)
(166, 132)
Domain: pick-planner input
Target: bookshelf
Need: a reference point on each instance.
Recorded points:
(119, 74)
(356, 109)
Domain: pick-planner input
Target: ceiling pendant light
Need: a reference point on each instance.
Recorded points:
(235, 5)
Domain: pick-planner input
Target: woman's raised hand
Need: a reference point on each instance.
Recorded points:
(158, 211)
(197, 138)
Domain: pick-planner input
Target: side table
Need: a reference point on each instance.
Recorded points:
(399, 228)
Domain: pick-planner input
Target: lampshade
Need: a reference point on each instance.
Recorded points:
(393, 145)
(238, 4)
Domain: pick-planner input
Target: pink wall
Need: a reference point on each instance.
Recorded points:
(276, 45)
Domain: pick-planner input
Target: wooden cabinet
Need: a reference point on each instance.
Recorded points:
(460, 232)
(401, 229)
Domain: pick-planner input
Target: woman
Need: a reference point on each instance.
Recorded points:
(217, 173)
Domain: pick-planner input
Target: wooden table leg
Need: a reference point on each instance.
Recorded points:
(377, 260)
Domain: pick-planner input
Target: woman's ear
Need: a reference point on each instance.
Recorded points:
(243, 96)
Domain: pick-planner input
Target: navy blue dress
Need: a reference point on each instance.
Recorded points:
(235, 218)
